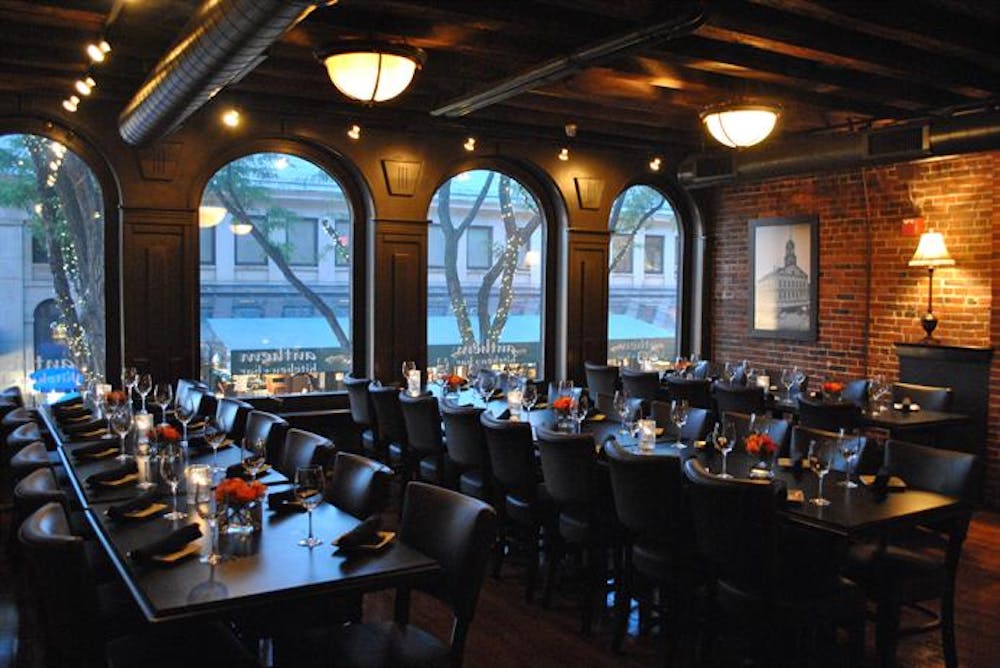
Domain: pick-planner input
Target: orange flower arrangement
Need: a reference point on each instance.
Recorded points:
(239, 492)
(833, 387)
(454, 382)
(115, 398)
(757, 443)
(562, 404)
(166, 433)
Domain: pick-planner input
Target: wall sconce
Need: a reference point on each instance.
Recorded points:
(931, 253)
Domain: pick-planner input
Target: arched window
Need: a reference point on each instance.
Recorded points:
(644, 270)
(275, 254)
(485, 256)
(52, 267)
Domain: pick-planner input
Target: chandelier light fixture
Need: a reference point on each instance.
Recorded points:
(371, 72)
(740, 125)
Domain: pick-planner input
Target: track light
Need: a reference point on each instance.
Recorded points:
(355, 132)
(470, 144)
(231, 118)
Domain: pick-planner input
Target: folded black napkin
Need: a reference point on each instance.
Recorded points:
(117, 473)
(141, 502)
(285, 502)
(91, 451)
(239, 471)
(168, 545)
(75, 428)
(504, 414)
(365, 533)
(71, 412)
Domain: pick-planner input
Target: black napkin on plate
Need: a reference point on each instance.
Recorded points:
(71, 412)
(365, 533)
(83, 427)
(239, 471)
(504, 414)
(168, 545)
(88, 451)
(120, 511)
(104, 477)
(285, 502)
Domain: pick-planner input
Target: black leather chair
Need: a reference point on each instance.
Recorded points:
(271, 428)
(701, 370)
(203, 401)
(696, 428)
(458, 532)
(467, 453)
(303, 448)
(13, 395)
(652, 506)
(920, 564)
(827, 416)
(30, 457)
(601, 378)
(582, 496)
(183, 390)
(733, 398)
(856, 392)
(697, 393)
(771, 576)
(423, 432)
(641, 384)
(362, 414)
(928, 397)
(390, 430)
(231, 415)
(359, 485)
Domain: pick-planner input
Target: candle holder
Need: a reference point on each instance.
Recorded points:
(647, 435)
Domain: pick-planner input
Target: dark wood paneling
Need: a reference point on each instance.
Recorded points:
(400, 296)
(587, 307)
(160, 294)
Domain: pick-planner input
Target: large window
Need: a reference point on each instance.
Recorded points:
(485, 267)
(642, 281)
(52, 327)
(279, 302)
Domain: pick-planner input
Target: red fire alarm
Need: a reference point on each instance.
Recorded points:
(913, 227)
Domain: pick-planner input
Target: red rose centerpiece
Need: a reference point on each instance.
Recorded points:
(832, 390)
(244, 508)
(165, 433)
(764, 448)
(561, 407)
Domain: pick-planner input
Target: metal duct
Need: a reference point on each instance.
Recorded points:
(223, 42)
(961, 134)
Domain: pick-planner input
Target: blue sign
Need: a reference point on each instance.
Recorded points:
(59, 379)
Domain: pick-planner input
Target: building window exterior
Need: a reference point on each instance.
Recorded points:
(278, 304)
(206, 246)
(483, 309)
(643, 307)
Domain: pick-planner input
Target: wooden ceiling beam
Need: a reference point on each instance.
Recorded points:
(36, 13)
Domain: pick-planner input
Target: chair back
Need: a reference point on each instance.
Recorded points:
(856, 392)
(778, 429)
(802, 436)
(701, 370)
(358, 485)
(696, 392)
(357, 396)
(387, 417)
(231, 415)
(423, 423)
(463, 432)
(817, 414)
(568, 467)
(457, 531)
(203, 401)
(511, 450)
(649, 498)
(303, 448)
(601, 378)
(271, 428)
(13, 395)
(938, 470)
(928, 397)
(184, 387)
(733, 398)
(696, 427)
(641, 384)
(35, 490)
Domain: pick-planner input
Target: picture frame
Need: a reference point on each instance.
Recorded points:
(784, 277)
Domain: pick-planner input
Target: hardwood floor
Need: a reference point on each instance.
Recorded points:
(509, 632)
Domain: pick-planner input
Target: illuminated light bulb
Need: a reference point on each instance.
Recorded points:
(470, 144)
(38, 209)
(69, 105)
(83, 86)
(58, 149)
(240, 229)
(96, 53)
(53, 165)
(231, 118)
(210, 216)
(354, 132)
(281, 162)
(654, 164)
(564, 154)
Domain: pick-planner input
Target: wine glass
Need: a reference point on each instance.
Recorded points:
(679, 416)
(849, 449)
(728, 371)
(143, 386)
(130, 376)
(723, 439)
(800, 377)
(256, 455)
(565, 387)
(184, 412)
(171, 471)
(309, 492)
(215, 435)
(788, 380)
(622, 408)
(163, 394)
(408, 366)
(210, 510)
(485, 384)
(819, 462)
(121, 424)
(529, 397)
(579, 407)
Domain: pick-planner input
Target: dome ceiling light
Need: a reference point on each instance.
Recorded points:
(371, 72)
(740, 125)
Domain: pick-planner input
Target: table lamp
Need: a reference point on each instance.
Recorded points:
(931, 253)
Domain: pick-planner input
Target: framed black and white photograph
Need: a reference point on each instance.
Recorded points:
(784, 273)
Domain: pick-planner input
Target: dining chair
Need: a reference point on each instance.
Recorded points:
(422, 418)
(586, 518)
(928, 397)
(773, 580)
(856, 392)
(358, 485)
(303, 448)
(651, 504)
(390, 429)
(920, 564)
(641, 384)
(15, 418)
(184, 387)
(362, 415)
(818, 414)
(203, 401)
(231, 415)
(696, 427)
(524, 506)
(467, 453)
(601, 378)
(271, 428)
(455, 530)
(701, 370)
(733, 398)
(697, 393)
(803, 436)
(13, 395)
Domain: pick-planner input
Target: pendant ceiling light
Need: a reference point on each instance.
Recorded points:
(210, 216)
(370, 72)
(740, 125)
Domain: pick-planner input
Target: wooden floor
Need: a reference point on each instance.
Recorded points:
(509, 632)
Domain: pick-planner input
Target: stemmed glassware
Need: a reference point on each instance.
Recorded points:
(210, 510)
(184, 413)
(849, 449)
(728, 371)
(309, 492)
(788, 380)
(565, 387)
(215, 435)
(819, 462)
(723, 440)
(163, 394)
(121, 424)
(130, 376)
(579, 407)
(679, 416)
(171, 471)
(878, 389)
(529, 397)
(622, 408)
(256, 455)
(143, 386)
(800, 377)
(486, 382)
(408, 366)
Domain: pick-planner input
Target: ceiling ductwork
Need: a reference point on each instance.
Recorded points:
(961, 134)
(221, 44)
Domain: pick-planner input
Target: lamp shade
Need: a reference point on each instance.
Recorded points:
(370, 72)
(931, 251)
(740, 126)
(210, 216)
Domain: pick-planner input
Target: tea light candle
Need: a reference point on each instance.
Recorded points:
(647, 434)
(197, 475)
(143, 425)
(413, 382)
(514, 401)
(764, 381)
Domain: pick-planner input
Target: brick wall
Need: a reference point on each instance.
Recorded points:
(868, 297)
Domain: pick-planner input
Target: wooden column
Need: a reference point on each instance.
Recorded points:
(587, 300)
(160, 292)
(399, 319)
